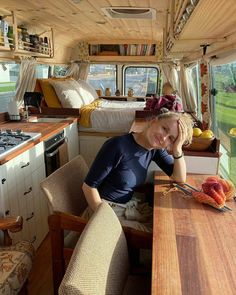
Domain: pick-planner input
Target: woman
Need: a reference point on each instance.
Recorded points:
(122, 164)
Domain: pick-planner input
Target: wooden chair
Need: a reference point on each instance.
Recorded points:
(16, 260)
(66, 200)
(100, 263)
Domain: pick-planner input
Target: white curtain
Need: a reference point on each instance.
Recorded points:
(73, 71)
(79, 70)
(26, 80)
(181, 81)
(83, 70)
(170, 75)
(187, 90)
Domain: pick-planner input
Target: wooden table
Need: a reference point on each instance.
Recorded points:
(194, 245)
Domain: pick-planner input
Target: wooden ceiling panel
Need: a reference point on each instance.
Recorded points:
(86, 21)
(212, 22)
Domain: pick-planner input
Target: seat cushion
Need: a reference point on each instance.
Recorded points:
(16, 263)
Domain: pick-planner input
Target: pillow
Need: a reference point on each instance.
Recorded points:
(67, 93)
(87, 92)
(49, 94)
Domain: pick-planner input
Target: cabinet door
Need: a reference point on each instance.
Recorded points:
(71, 133)
(36, 156)
(40, 206)
(19, 192)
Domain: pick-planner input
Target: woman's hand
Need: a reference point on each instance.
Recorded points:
(177, 145)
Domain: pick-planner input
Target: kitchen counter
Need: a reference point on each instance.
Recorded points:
(47, 129)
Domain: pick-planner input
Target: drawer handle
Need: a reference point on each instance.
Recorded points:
(28, 218)
(4, 180)
(27, 164)
(7, 212)
(30, 190)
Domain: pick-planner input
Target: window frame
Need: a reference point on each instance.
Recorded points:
(124, 69)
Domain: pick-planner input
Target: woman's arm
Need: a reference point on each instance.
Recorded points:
(179, 170)
(92, 196)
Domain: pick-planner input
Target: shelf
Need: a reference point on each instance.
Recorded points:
(126, 58)
(26, 48)
(120, 52)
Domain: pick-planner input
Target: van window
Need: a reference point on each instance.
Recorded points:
(9, 72)
(42, 71)
(60, 70)
(102, 76)
(143, 80)
(224, 114)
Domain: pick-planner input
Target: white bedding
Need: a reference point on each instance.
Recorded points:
(113, 116)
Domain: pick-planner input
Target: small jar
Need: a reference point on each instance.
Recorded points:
(25, 39)
(20, 42)
(117, 93)
(130, 92)
(108, 91)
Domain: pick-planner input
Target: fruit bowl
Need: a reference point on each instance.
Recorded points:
(200, 144)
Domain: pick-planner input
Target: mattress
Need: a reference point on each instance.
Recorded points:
(113, 116)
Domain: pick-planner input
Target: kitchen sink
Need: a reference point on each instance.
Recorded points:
(47, 120)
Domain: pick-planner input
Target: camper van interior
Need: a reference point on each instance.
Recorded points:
(76, 73)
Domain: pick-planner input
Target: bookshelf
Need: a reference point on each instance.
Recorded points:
(126, 52)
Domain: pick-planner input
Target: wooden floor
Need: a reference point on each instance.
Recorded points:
(40, 279)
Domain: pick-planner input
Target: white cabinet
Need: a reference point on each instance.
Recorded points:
(20, 193)
(71, 134)
(89, 146)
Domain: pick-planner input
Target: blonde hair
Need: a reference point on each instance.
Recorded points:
(187, 120)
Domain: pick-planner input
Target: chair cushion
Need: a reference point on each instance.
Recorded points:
(99, 264)
(16, 263)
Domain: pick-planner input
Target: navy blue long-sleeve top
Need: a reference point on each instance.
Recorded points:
(121, 165)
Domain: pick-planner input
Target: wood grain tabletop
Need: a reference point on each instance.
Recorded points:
(194, 245)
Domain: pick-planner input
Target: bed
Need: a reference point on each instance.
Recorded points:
(78, 98)
(110, 116)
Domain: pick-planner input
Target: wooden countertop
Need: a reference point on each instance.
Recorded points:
(140, 123)
(46, 129)
(194, 245)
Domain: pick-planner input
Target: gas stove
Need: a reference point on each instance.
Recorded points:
(12, 140)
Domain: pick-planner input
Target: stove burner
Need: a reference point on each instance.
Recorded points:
(11, 140)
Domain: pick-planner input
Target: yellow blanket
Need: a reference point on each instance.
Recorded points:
(85, 113)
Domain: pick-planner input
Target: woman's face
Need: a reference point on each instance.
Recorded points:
(162, 133)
